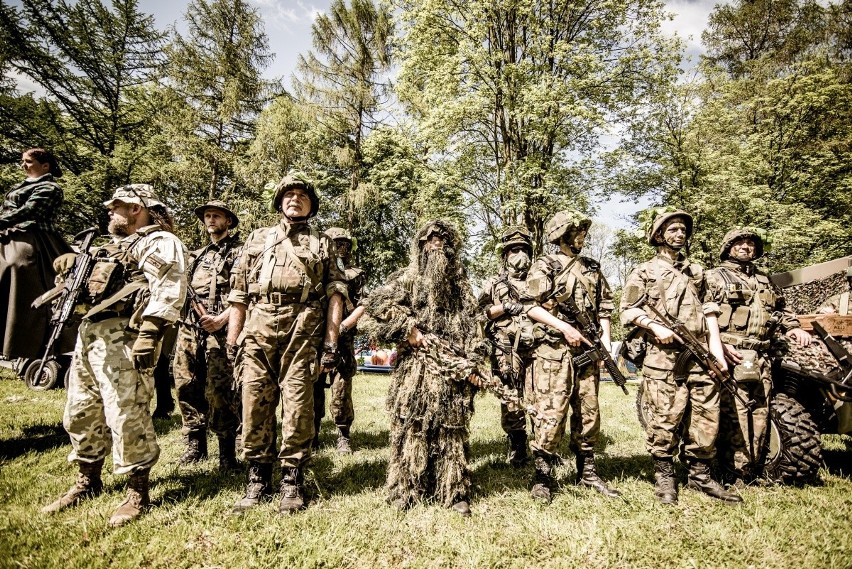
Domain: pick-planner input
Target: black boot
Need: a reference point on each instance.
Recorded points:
(292, 491)
(259, 487)
(196, 448)
(665, 487)
(542, 479)
(517, 456)
(228, 454)
(344, 443)
(700, 479)
(587, 476)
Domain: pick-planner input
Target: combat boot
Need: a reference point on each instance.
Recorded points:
(259, 487)
(517, 456)
(196, 448)
(665, 487)
(87, 485)
(292, 491)
(542, 479)
(137, 499)
(228, 454)
(587, 475)
(700, 479)
(344, 443)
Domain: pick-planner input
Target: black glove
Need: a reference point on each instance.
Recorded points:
(513, 308)
(145, 347)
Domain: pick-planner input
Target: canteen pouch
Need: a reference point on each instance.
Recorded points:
(749, 369)
(105, 279)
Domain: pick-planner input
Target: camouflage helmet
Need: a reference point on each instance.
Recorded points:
(658, 216)
(514, 235)
(296, 180)
(760, 237)
(563, 222)
(220, 205)
(336, 233)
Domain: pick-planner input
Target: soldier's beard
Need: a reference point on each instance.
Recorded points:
(119, 227)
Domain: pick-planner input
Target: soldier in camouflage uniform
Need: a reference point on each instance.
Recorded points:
(204, 376)
(751, 309)
(137, 288)
(554, 383)
(340, 379)
(287, 294)
(510, 332)
(429, 310)
(683, 404)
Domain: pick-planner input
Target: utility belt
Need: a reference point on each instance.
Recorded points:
(744, 343)
(281, 298)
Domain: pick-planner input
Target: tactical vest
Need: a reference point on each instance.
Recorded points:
(565, 281)
(676, 292)
(209, 272)
(746, 306)
(282, 276)
(115, 286)
(514, 331)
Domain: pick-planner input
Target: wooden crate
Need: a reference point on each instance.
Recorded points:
(838, 326)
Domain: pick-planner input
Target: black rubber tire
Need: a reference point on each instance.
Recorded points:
(50, 376)
(793, 450)
(642, 412)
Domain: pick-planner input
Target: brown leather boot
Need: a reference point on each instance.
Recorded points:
(136, 501)
(292, 491)
(542, 479)
(665, 487)
(259, 487)
(587, 476)
(228, 454)
(196, 448)
(700, 479)
(87, 485)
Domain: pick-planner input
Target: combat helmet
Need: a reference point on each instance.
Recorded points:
(339, 233)
(760, 237)
(296, 180)
(443, 229)
(220, 205)
(660, 216)
(564, 221)
(514, 235)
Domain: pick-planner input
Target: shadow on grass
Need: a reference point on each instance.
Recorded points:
(838, 462)
(164, 425)
(195, 483)
(352, 479)
(38, 438)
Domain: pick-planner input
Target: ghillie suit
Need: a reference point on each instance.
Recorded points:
(430, 401)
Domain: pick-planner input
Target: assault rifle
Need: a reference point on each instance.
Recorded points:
(844, 358)
(598, 351)
(68, 295)
(443, 358)
(195, 309)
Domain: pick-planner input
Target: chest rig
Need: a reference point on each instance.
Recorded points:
(565, 280)
(281, 274)
(209, 272)
(747, 305)
(115, 286)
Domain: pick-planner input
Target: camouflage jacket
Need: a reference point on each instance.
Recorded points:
(504, 328)
(210, 271)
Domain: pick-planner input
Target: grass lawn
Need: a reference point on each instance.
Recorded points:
(348, 523)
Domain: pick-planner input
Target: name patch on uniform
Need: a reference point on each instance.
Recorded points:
(158, 265)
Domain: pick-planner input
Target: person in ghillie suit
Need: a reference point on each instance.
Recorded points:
(429, 310)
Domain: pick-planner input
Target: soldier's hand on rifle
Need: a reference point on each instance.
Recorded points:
(417, 339)
(800, 336)
(573, 336)
(663, 334)
(330, 357)
(63, 263)
(144, 353)
(512, 308)
(212, 324)
(231, 352)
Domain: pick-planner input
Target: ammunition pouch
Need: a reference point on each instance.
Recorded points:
(635, 347)
(105, 279)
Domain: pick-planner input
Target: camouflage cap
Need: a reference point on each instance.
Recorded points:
(142, 194)
(654, 218)
(514, 235)
(220, 205)
(296, 180)
(564, 221)
(762, 243)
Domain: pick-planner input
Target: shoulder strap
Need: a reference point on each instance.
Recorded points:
(267, 260)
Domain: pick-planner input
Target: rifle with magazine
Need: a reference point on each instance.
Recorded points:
(598, 352)
(68, 295)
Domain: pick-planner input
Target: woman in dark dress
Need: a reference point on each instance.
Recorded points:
(28, 245)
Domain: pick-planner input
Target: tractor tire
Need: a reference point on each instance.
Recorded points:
(51, 375)
(793, 450)
(642, 411)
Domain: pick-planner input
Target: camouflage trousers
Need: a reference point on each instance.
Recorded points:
(278, 364)
(585, 422)
(207, 392)
(548, 390)
(687, 412)
(513, 420)
(340, 381)
(740, 436)
(109, 399)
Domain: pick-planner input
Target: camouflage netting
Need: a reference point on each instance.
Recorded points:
(806, 298)
(815, 357)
